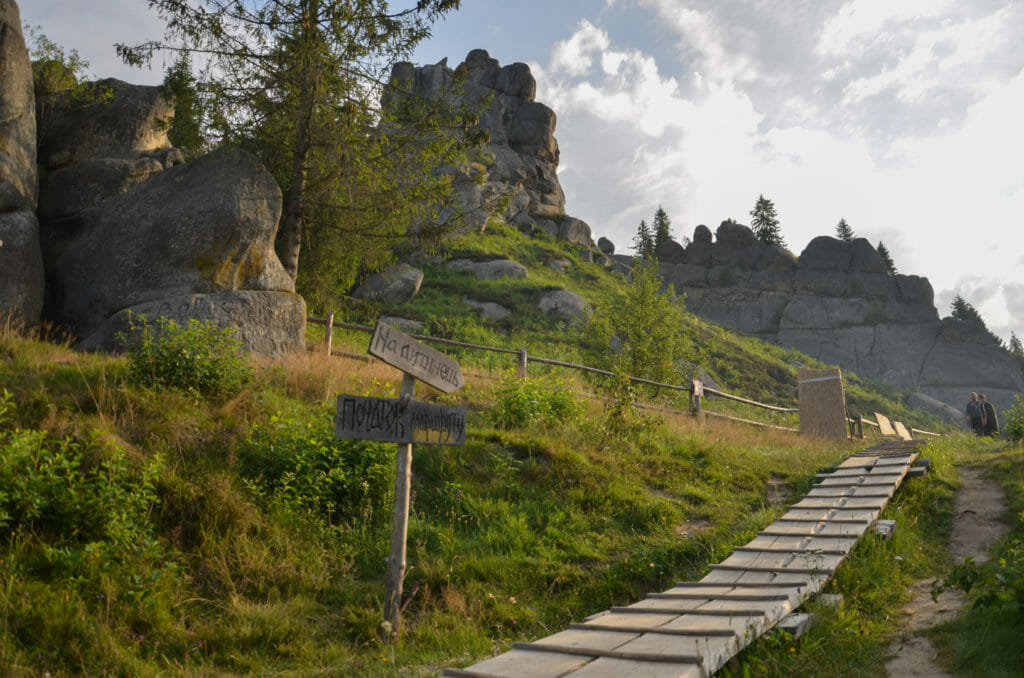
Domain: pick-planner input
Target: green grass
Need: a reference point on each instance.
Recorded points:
(265, 538)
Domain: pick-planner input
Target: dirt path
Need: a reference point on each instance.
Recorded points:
(977, 524)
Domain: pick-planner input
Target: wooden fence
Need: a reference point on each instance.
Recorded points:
(696, 388)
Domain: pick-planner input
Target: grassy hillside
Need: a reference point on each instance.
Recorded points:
(155, 530)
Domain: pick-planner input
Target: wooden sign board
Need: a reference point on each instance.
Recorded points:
(884, 425)
(902, 431)
(399, 420)
(822, 403)
(414, 357)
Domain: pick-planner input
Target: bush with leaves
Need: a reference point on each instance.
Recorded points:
(78, 507)
(535, 400)
(301, 464)
(199, 357)
(1014, 420)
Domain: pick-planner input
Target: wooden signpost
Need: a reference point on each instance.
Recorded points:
(404, 421)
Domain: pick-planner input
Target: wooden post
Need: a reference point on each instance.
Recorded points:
(522, 363)
(399, 524)
(329, 336)
(860, 426)
(696, 391)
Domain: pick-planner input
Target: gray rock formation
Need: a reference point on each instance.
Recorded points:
(21, 262)
(395, 285)
(516, 171)
(195, 240)
(566, 304)
(489, 310)
(495, 269)
(606, 246)
(838, 303)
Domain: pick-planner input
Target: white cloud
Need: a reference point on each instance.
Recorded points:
(575, 55)
(863, 22)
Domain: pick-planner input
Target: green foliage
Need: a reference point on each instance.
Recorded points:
(523, 402)
(185, 130)
(298, 462)
(200, 357)
(662, 228)
(1013, 425)
(764, 222)
(298, 83)
(843, 231)
(649, 324)
(59, 74)
(883, 252)
(643, 242)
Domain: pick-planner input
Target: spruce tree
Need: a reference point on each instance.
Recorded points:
(883, 252)
(298, 83)
(764, 222)
(662, 228)
(643, 242)
(1016, 348)
(843, 231)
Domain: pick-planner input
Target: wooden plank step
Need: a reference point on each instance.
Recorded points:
(523, 664)
(791, 570)
(615, 654)
(768, 549)
(748, 612)
(720, 596)
(729, 633)
(803, 543)
(745, 586)
(608, 667)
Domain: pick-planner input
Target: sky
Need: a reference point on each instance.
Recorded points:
(903, 117)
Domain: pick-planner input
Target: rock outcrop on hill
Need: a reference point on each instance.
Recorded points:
(129, 228)
(838, 303)
(516, 172)
(21, 261)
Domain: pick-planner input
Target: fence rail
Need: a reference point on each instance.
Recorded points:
(695, 389)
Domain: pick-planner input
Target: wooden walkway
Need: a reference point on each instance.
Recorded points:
(692, 629)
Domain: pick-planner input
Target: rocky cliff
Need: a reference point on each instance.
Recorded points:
(515, 174)
(21, 263)
(837, 302)
(101, 218)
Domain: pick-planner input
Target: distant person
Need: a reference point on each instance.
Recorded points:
(976, 415)
(991, 420)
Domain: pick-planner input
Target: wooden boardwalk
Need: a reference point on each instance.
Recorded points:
(692, 629)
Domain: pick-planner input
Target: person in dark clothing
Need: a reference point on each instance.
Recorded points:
(976, 415)
(991, 419)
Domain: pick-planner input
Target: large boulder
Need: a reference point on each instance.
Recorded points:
(566, 304)
(202, 228)
(18, 181)
(124, 123)
(21, 261)
(21, 268)
(395, 285)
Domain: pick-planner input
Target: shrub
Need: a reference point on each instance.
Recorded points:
(200, 357)
(301, 463)
(1014, 424)
(531, 401)
(81, 505)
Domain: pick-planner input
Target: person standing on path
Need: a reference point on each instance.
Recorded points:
(991, 419)
(976, 414)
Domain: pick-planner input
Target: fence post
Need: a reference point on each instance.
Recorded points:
(696, 391)
(859, 421)
(329, 336)
(522, 363)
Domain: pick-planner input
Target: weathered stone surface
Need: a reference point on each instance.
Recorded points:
(520, 162)
(18, 180)
(670, 251)
(21, 268)
(266, 322)
(606, 246)
(71, 189)
(560, 265)
(565, 303)
(195, 229)
(495, 269)
(405, 324)
(489, 310)
(124, 127)
(395, 285)
(937, 408)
